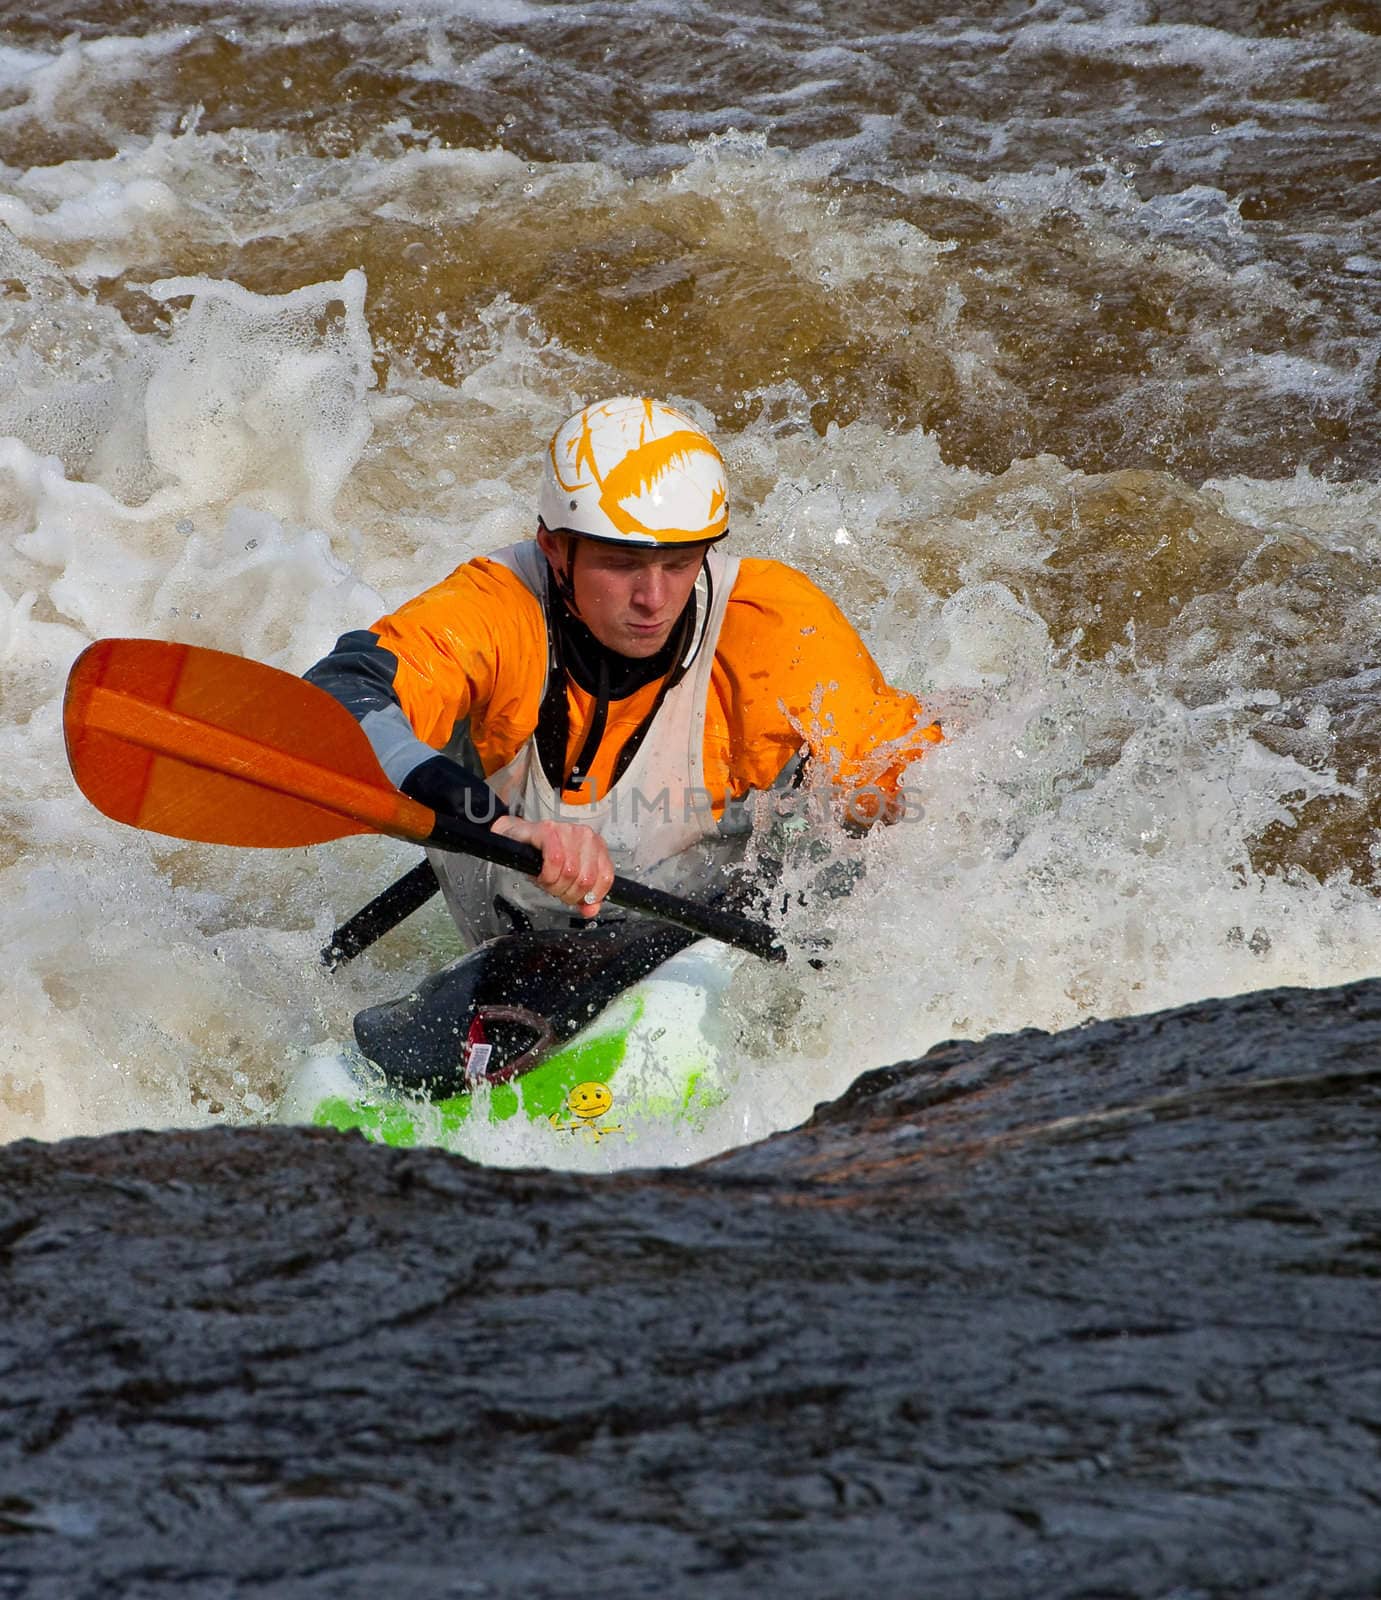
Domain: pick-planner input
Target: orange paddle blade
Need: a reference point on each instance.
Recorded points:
(204, 745)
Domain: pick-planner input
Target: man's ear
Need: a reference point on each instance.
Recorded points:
(554, 547)
(559, 549)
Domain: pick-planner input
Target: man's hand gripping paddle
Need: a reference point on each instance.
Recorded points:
(202, 745)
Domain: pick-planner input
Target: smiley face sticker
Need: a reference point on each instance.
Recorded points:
(587, 1103)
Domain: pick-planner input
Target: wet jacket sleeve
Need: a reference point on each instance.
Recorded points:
(421, 673)
(804, 678)
(359, 673)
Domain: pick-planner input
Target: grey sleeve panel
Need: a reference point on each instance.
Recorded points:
(740, 815)
(359, 673)
(395, 744)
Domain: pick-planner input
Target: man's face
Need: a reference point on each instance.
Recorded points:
(628, 598)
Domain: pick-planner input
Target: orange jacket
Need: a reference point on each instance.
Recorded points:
(789, 674)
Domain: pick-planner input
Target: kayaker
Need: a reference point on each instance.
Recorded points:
(619, 691)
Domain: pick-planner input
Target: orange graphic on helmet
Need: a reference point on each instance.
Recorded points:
(635, 469)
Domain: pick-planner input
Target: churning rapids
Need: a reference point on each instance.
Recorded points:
(1047, 339)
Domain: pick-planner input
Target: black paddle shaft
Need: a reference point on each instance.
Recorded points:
(708, 921)
(383, 913)
(416, 887)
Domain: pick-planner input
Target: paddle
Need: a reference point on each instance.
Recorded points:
(203, 745)
(383, 913)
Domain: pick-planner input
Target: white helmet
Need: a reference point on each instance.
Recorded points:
(633, 471)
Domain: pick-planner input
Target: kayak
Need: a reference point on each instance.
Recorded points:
(590, 1033)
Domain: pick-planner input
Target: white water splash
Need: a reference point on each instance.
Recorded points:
(234, 480)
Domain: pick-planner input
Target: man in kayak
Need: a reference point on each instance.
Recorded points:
(619, 691)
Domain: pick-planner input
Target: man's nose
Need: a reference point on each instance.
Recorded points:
(651, 590)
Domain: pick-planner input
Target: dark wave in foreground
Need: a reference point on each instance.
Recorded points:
(1088, 1314)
